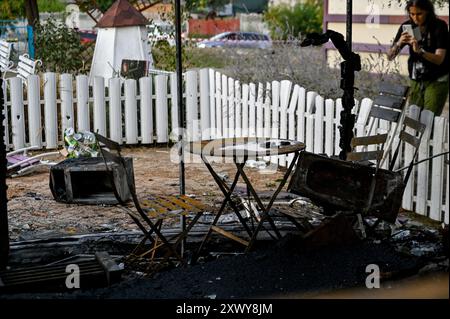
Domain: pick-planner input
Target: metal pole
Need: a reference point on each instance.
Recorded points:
(179, 68)
(348, 101)
(4, 236)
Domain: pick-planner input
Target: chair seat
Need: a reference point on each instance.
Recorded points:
(158, 206)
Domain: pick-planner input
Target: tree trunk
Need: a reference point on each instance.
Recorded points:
(32, 12)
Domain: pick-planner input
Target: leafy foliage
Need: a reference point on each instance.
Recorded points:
(304, 17)
(51, 6)
(58, 47)
(11, 9)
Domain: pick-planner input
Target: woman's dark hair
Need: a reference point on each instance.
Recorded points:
(425, 5)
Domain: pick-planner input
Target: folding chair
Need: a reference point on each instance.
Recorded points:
(150, 214)
(388, 106)
(19, 163)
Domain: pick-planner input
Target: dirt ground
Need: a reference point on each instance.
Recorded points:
(33, 213)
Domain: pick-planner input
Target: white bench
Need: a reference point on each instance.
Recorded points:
(5, 52)
(26, 67)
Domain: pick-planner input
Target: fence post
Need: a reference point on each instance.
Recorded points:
(301, 115)
(50, 111)
(329, 124)
(161, 109)
(146, 92)
(437, 175)
(99, 105)
(174, 107)
(83, 103)
(252, 110)
(212, 104)
(205, 114)
(337, 135)
(318, 125)
(17, 113)
(192, 106)
(245, 98)
(237, 92)
(34, 111)
(231, 108)
(218, 95)
(131, 122)
(66, 93)
(310, 110)
(115, 110)
(225, 113)
(260, 110)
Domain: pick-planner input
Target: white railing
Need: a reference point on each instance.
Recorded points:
(145, 112)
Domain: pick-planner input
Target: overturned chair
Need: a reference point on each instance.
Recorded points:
(352, 185)
(150, 214)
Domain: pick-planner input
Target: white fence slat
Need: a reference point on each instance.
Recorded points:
(275, 109)
(408, 194)
(17, 113)
(231, 108)
(363, 116)
(82, 103)
(252, 110)
(115, 110)
(174, 107)
(4, 109)
(245, 115)
(285, 95)
(218, 94)
(292, 129)
(131, 121)
(205, 115)
(99, 105)
(66, 93)
(267, 110)
(437, 176)
(146, 107)
(225, 114)
(310, 110)
(318, 125)
(161, 109)
(192, 106)
(34, 111)
(260, 111)
(426, 117)
(238, 106)
(301, 115)
(329, 132)
(337, 135)
(50, 111)
(212, 103)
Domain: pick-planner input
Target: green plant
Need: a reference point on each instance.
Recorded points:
(58, 47)
(304, 17)
(51, 6)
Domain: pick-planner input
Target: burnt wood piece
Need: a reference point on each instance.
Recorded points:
(86, 181)
(339, 185)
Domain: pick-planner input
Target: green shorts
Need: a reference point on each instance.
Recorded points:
(430, 95)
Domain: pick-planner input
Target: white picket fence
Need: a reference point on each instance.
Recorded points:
(145, 112)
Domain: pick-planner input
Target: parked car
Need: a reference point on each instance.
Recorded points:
(238, 40)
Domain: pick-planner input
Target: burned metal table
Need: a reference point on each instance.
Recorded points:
(240, 150)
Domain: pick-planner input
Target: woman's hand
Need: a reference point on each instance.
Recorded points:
(405, 38)
(415, 46)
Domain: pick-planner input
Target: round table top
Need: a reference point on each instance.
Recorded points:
(244, 146)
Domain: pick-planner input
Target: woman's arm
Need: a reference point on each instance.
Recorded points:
(405, 38)
(435, 58)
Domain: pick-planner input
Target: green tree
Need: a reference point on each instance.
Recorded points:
(285, 21)
(11, 9)
(58, 47)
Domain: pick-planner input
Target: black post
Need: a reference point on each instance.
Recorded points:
(179, 68)
(4, 236)
(348, 101)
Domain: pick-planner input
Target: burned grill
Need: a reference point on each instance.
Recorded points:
(94, 272)
(344, 186)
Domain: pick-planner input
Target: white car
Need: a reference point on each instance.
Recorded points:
(161, 32)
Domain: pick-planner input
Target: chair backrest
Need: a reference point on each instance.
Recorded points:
(26, 67)
(5, 53)
(111, 152)
(388, 106)
(364, 154)
(411, 133)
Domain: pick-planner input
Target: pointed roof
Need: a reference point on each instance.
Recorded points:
(121, 14)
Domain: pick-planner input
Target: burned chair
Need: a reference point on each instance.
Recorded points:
(355, 187)
(150, 214)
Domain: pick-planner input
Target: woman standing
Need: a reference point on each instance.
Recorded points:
(428, 63)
